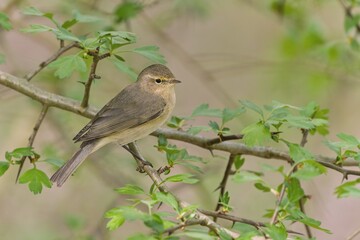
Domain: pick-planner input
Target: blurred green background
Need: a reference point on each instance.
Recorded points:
(222, 51)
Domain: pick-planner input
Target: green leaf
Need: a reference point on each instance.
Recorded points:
(298, 153)
(127, 10)
(204, 111)
(348, 189)
(155, 223)
(168, 199)
(32, 11)
(238, 162)
(130, 190)
(299, 122)
(176, 122)
(262, 187)
(141, 236)
(66, 65)
(214, 126)
(349, 139)
(85, 18)
(4, 166)
(252, 106)
(276, 232)
(4, 22)
(256, 134)
(151, 52)
(55, 162)
(35, 28)
(36, 180)
(185, 178)
(244, 176)
(230, 114)
(122, 66)
(309, 169)
(295, 214)
(117, 219)
(64, 34)
(198, 235)
(294, 190)
(197, 129)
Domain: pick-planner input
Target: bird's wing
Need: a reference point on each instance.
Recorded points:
(130, 108)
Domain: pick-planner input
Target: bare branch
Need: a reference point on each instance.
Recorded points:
(42, 65)
(50, 99)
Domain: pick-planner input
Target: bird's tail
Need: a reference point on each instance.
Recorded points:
(70, 166)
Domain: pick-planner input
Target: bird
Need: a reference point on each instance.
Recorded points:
(135, 112)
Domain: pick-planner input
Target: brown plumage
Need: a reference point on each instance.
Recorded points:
(134, 113)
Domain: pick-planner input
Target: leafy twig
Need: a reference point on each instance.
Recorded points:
(32, 136)
(182, 225)
(278, 203)
(222, 185)
(155, 177)
(305, 133)
(348, 12)
(92, 75)
(42, 65)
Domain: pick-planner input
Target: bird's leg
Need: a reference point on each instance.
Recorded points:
(133, 149)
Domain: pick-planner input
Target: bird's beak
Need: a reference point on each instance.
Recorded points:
(174, 81)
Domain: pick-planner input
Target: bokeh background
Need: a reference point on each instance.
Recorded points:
(222, 51)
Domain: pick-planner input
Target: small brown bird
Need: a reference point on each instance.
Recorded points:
(138, 110)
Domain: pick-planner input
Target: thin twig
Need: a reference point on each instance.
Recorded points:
(32, 136)
(154, 175)
(42, 65)
(305, 134)
(183, 225)
(348, 12)
(223, 182)
(92, 75)
(278, 203)
(354, 234)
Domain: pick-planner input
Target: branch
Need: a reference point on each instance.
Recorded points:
(187, 223)
(42, 65)
(53, 100)
(305, 133)
(155, 177)
(354, 234)
(50, 99)
(348, 12)
(92, 75)
(32, 137)
(222, 185)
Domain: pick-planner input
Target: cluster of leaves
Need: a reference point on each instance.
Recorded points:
(109, 42)
(347, 148)
(158, 222)
(34, 177)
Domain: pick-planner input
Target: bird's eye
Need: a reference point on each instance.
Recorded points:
(158, 80)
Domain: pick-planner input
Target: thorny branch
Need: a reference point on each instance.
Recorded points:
(222, 185)
(154, 175)
(349, 14)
